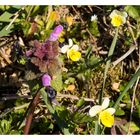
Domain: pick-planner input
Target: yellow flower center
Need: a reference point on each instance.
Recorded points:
(74, 55)
(106, 118)
(117, 20)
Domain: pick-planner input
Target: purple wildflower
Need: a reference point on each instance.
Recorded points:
(55, 34)
(29, 53)
(46, 80)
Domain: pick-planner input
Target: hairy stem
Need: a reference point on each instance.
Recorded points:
(30, 114)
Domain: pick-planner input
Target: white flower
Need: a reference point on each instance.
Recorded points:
(66, 48)
(99, 108)
(71, 50)
(118, 18)
(94, 17)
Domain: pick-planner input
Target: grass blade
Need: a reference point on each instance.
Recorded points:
(128, 86)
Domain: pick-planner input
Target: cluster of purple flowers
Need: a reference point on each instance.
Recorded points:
(55, 34)
(44, 52)
(43, 49)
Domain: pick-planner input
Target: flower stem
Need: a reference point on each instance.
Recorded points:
(103, 131)
(110, 53)
(97, 128)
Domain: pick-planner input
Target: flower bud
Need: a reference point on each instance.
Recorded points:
(46, 80)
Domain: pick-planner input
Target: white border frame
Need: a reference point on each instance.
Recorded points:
(69, 2)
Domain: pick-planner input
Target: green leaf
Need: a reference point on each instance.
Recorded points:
(126, 99)
(80, 118)
(88, 52)
(119, 112)
(57, 83)
(61, 123)
(5, 126)
(5, 17)
(128, 86)
(62, 112)
(92, 61)
(5, 32)
(17, 6)
(133, 12)
(80, 102)
(46, 100)
(138, 110)
(133, 127)
(93, 28)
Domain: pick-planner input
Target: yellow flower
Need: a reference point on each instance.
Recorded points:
(105, 115)
(72, 51)
(73, 55)
(106, 118)
(118, 18)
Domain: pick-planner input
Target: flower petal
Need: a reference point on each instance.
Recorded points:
(106, 118)
(113, 13)
(70, 42)
(111, 110)
(105, 103)
(94, 18)
(73, 55)
(75, 47)
(55, 34)
(65, 48)
(95, 110)
(118, 18)
(46, 80)
(58, 29)
(124, 14)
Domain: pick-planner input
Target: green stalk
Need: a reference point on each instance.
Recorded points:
(97, 128)
(129, 85)
(110, 53)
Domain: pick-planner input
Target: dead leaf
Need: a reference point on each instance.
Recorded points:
(69, 20)
(71, 87)
(115, 86)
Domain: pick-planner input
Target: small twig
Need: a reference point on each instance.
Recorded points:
(25, 114)
(73, 97)
(132, 105)
(49, 12)
(15, 97)
(22, 106)
(90, 8)
(7, 42)
(132, 33)
(29, 12)
(3, 56)
(6, 111)
(132, 48)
